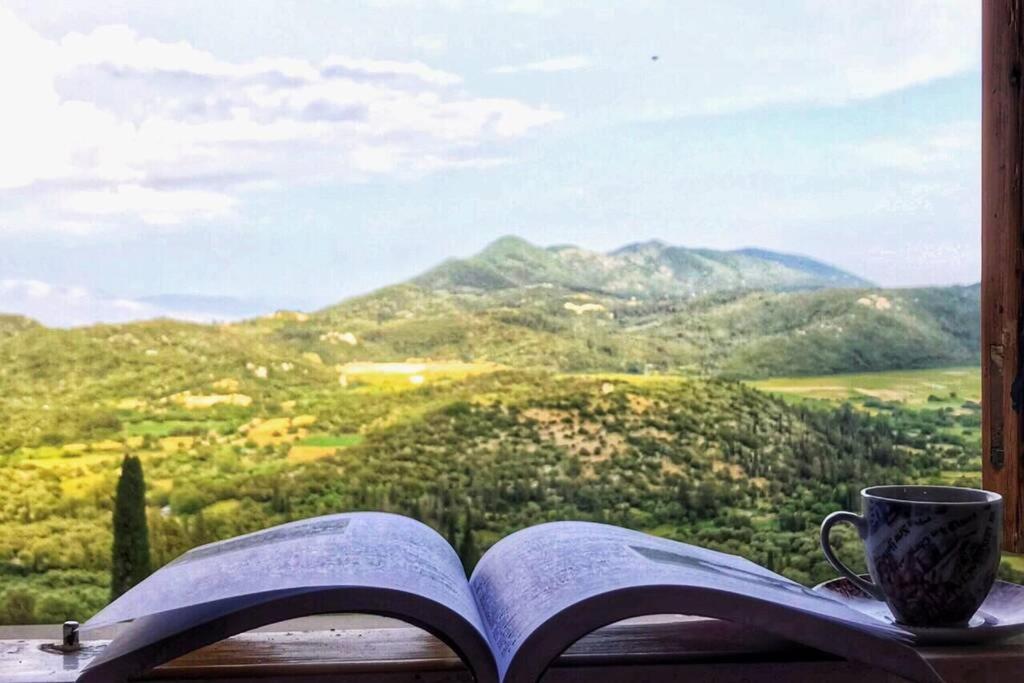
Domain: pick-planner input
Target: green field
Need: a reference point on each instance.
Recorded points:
(932, 388)
(328, 440)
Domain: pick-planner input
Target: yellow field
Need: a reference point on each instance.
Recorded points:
(176, 443)
(299, 454)
(409, 374)
(74, 460)
(277, 430)
(222, 507)
(84, 486)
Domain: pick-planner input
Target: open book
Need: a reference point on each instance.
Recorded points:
(531, 596)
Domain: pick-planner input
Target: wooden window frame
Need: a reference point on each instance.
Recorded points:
(409, 654)
(1002, 261)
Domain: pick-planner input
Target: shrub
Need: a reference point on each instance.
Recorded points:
(17, 606)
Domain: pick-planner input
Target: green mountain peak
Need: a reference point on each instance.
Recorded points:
(650, 269)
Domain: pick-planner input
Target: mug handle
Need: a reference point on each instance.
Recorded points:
(861, 525)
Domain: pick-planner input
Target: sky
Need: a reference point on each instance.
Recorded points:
(293, 154)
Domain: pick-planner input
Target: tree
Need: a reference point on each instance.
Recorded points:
(468, 551)
(130, 557)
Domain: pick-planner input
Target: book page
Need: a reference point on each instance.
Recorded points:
(358, 549)
(542, 588)
(362, 562)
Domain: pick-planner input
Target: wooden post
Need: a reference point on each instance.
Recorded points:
(1002, 245)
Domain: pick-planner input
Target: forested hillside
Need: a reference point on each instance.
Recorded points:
(731, 334)
(476, 454)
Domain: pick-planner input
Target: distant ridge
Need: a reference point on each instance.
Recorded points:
(488, 309)
(56, 305)
(642, 269)
(652, 306)
(646, 306)
(215, 308)
(823, 270)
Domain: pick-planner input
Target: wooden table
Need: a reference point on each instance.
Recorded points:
(675, 649)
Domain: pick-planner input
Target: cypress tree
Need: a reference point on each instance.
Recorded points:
(130, 557)
(468, 551)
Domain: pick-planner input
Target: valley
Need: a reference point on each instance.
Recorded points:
(730, 399)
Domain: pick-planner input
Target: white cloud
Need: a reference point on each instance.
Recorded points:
(915, 41)
(535, 7)
(158, 207)
(810, 53)
(112, 129)
(68, 306)
(59, 306)
(431, 44)
(570, 63)
(942, 148)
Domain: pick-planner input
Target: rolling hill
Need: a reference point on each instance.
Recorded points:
(711, 462)
(733, 334)
(644, 307)
(649, 306)
(647, 269)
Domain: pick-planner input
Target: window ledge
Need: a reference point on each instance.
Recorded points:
(682, 648)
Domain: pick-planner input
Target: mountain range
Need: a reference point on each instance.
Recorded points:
(643, 269)
(646, 306)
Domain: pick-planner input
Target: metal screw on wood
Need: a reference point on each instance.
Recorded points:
(70, 641)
